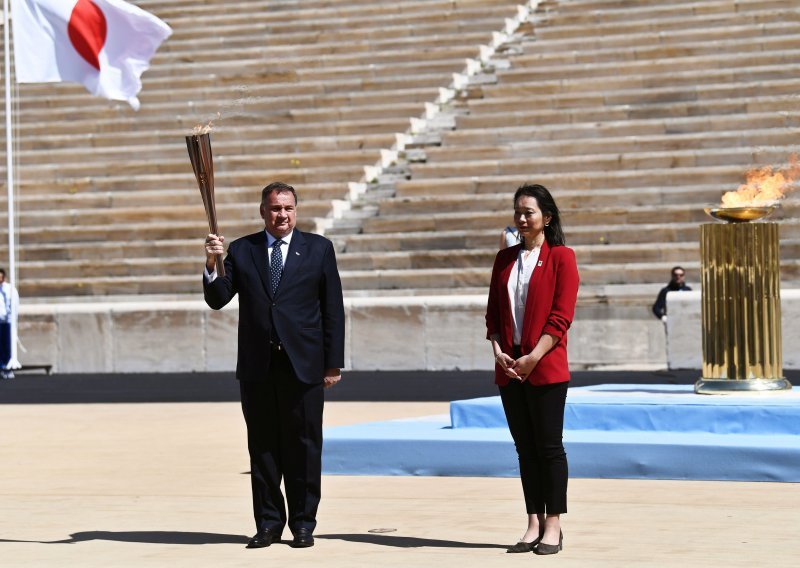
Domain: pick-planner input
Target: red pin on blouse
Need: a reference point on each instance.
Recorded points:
(87, 31)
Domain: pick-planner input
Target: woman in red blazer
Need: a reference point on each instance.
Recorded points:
(531, 304)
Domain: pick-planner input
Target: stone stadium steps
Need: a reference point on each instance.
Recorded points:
(144, 231)
(230, 97)
(776, 137)
(311, 195)
(587, 255)
(344, 166)
(265, 109)
(175, 159)
(572, 199)
(140, 285)
(299, 9)
(665, 234)
(589, 15)
(286, 72)
(327, 107)
(594, 216)
(664, 54)
(254, 179)
(525, 80)
(317, 59)
(72, 261)
(685, 116)
(132, 260)
(640, 161)
(665, 126)
(496, 97)
(636, 114)
(187, 48)
(308, 95)
(232, 213)
(646, 22)
(429, 18)
(109, 251)
(587, 11)
(655, 67)
(630, 44)
(726, 177)
(116, 186)
(245, 139)
(503, 114)
(187, 122)
(105, 148)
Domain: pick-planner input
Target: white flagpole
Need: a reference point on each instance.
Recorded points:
(12, 269)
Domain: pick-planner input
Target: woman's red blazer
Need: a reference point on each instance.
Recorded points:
(550, 307)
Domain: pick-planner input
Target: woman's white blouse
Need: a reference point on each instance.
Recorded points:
(518, 282)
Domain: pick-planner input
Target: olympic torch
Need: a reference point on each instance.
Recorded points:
(199, 146)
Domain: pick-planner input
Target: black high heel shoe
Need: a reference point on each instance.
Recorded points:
(543, 548)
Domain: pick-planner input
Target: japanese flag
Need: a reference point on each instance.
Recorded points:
(104, 44)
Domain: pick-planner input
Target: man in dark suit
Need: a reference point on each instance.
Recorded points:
(291, 346)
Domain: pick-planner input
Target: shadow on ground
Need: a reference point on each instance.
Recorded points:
(406, 541)
(148, 537)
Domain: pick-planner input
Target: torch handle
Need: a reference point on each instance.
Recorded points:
(220, 265)
(212, 226)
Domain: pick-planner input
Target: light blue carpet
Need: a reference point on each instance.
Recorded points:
(611, 431)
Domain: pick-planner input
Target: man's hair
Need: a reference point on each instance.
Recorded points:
(278, 187)
(3, 271)
(674, 268)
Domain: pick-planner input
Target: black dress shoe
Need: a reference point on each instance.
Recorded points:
(302, 539)
(265, 537)
(543, 549)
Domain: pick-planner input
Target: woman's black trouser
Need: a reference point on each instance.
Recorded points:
(535, 416)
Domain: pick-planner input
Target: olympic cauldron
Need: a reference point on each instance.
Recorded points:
(741, 303)
(741, 296)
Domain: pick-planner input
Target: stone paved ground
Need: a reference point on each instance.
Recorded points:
(163, 485)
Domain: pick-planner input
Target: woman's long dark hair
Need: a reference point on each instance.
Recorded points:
(552, 231)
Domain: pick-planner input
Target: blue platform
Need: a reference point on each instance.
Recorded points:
(611, 431)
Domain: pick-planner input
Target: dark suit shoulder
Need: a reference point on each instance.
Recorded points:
(254, 239)
(315, 239)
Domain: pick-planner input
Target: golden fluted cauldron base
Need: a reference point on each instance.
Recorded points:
(723, 386)
(741, 308)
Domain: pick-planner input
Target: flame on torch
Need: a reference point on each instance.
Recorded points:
(764, 186)
(203, 129)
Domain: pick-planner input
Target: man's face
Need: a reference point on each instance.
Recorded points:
(279, 212)
(679, 276)
(2, 277)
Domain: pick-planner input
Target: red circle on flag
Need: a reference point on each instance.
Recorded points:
(87, 31)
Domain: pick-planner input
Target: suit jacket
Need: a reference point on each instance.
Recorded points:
(306, 311)
(550, 307)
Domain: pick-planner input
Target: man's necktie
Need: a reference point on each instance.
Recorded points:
(276, 265)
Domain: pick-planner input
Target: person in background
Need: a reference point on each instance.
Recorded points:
(9, 307)
(676, 284)
(532, 298)
(509, 237)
